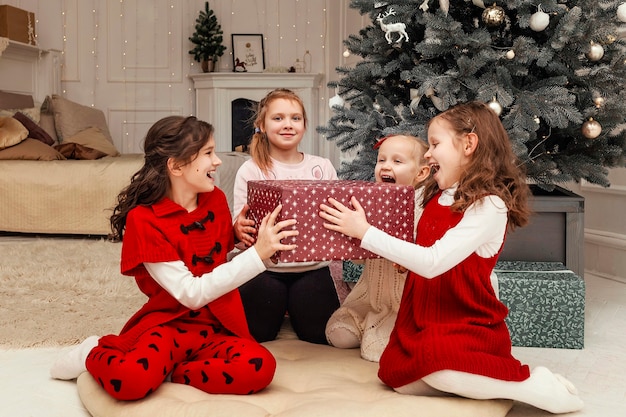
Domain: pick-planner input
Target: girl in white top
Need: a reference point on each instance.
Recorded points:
(306, 291)
(450, 336)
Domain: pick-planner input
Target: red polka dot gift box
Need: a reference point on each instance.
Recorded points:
(389, 207)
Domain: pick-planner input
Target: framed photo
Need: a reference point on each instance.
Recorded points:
(248, 53)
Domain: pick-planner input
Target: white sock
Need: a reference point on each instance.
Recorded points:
(551, 392)
(71, 364)
(544, 389)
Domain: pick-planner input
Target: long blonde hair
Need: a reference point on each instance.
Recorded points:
(260, 145)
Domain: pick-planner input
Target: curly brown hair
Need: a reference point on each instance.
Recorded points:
(494, 169)
(260, 145)
(173, 137)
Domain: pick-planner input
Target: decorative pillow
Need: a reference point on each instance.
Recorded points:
(71, 118)
(77, 151)
(12, 132)
(32, 149)
(15, 100)
(34, 113)
(46, 122)
(93, 138)
(34, 131)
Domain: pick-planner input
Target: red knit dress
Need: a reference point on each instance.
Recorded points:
(453, 321)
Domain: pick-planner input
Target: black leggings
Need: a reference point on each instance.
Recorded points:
(309, 297)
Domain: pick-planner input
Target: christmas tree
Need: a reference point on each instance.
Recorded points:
(552, 69)
(207, 37)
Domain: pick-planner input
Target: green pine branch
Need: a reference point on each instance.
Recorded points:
(544, 81)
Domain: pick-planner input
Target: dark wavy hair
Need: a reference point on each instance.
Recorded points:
(494, 169)
(173, 137)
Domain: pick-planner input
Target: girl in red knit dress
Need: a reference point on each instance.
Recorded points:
(177, 230)
(450, 336)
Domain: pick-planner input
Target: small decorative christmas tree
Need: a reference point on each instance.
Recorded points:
(207, 37)
(552, 69)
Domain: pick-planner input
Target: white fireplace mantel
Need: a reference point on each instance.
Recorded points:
(215, 91)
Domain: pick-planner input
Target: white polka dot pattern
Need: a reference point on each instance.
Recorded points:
(388, 207)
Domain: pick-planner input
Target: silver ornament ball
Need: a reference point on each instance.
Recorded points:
(595, 52)
(621, 12)
(336, 100)
(591, 129)
(495, 106)
(539, 20)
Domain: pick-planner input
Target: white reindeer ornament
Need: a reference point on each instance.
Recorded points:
(390, 28)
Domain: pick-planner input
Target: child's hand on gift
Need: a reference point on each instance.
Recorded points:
(399, 268)
(271, 234)
(340, 218)
(245, 232)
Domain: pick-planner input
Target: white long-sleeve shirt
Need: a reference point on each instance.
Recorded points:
(481, 230)
(195, 292)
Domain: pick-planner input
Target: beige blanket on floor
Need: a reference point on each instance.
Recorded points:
(311, 380)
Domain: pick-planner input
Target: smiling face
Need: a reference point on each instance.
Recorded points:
(400, 161)
(198, 176)
(447, 154)
(284, 124)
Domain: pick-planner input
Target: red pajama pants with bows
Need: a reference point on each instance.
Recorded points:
(198, 354)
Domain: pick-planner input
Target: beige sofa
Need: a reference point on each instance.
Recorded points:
(53, 189)
(76, 196)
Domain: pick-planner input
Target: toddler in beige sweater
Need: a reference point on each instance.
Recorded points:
(369, 312)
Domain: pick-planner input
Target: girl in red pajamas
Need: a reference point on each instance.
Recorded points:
(177, 230)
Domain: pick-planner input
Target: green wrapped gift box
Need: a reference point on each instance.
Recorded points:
(546, 304)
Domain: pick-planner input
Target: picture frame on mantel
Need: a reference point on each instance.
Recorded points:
(248, 52)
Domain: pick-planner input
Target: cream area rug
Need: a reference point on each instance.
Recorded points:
(57, 291)
(311, 381)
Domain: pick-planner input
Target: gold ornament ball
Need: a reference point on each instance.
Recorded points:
(595, 52)
(599, 101)
(493, 16)
(495, 106)
(510, 54)
(591, 129)
(609, 39)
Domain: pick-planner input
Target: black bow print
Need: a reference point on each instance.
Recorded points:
(209, 258)
(199, 224)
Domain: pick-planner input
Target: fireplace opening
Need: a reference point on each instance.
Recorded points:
(242, 111)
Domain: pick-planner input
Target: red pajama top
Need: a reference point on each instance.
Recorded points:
(452, 321)
(166, 232)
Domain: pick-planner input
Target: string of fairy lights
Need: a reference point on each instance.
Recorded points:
(293, 31)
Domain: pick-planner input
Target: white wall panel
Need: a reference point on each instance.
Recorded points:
(129, 126)
(144, 41)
